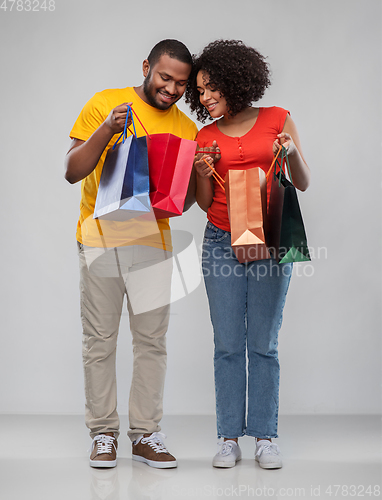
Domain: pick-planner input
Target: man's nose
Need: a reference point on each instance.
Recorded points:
(171, 88)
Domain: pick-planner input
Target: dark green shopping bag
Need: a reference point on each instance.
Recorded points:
(286, 238)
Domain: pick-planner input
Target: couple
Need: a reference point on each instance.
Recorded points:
(246, 310)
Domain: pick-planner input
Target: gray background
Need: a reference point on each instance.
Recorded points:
(326, 63)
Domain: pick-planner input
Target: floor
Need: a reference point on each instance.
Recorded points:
(45, 457)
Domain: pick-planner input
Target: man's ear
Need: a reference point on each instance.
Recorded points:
(145, 67)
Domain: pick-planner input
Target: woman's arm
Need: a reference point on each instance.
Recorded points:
(289, 138)
(204, 192)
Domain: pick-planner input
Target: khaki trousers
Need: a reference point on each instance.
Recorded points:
(144, 275)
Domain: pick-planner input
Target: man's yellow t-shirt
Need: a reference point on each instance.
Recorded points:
(105, 233)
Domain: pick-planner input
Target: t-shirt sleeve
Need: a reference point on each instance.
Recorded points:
(194, 131)
(188, 129)
(91, 117)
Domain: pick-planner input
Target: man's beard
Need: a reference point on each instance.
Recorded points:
(148, 91)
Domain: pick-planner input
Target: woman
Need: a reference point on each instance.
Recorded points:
(246, 300)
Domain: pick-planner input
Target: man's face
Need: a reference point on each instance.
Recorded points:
(165, 82)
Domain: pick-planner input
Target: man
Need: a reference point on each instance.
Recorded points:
(118, 258)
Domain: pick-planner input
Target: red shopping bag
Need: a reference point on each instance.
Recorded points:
(170, 165)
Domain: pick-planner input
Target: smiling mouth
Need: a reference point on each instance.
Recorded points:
(210, 107)
(167, 97)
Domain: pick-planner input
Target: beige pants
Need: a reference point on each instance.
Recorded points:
(144, 274)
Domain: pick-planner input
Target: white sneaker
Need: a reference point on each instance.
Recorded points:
(228, 454)
(268, 455)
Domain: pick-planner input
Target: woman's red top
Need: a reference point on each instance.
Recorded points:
(254, 149)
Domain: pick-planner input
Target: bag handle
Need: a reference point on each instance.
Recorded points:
(137, 117)
(284, 156)
(281, 163)
(215, 175)
(124, 133)
(284, 161)
(130, 112)
(288, 166)
(273, 162)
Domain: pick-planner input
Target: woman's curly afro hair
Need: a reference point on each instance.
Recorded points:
(239, 72)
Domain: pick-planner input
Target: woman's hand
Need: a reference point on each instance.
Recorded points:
(285, 140)
(289, 138)
(200, 165)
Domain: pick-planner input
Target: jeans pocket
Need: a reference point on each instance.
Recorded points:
(213, 234)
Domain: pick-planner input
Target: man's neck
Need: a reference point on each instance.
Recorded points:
(140, 92)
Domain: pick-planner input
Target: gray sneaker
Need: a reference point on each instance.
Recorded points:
(228, 454)
(268, 455)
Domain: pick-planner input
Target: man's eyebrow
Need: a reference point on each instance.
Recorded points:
(162, 73)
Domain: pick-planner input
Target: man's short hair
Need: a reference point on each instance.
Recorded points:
(173, 48)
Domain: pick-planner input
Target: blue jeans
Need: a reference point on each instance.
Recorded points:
(246, 305)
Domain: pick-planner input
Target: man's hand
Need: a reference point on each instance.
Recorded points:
(83, 156)
(117, 117)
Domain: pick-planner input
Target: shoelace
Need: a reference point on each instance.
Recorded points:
(155, 441)
(226, 448)
(269, 448)
(104, 443)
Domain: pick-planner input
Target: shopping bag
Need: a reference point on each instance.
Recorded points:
(246, 193)
(170, 165)
(124, 189)
(286, 237)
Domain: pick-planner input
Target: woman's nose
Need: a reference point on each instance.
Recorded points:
(206, 96)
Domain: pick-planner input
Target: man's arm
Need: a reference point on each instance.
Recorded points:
(83, 156)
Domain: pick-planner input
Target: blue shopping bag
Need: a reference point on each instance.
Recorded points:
(124, 188)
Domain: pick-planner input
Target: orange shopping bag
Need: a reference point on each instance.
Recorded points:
(246, 192)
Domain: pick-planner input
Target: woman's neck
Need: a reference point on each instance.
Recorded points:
(244, 115)
(240, 124)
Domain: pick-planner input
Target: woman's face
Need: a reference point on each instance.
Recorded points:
(209, 97)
